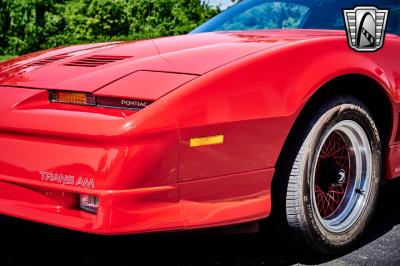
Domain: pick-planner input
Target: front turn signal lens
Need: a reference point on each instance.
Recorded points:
(89, 203)
(68, 97)
(87, 98)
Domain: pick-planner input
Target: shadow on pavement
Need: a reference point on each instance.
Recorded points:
(29, 243)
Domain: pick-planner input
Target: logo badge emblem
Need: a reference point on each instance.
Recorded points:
(366, 28)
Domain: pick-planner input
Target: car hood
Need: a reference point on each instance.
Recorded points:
(91, 67)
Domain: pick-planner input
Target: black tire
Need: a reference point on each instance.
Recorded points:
(313, 223)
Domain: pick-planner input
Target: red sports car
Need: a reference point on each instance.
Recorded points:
(263, 110)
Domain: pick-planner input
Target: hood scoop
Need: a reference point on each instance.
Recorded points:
(48, 60)
(96, 60)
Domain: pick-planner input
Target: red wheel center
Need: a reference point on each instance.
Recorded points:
(331, 175)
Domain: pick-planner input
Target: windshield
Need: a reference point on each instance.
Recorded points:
(294, 14)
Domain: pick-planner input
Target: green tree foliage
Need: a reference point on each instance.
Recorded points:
(30, 25)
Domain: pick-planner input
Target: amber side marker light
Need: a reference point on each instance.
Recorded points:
(206, 141)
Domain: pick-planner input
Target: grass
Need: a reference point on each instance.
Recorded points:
(5, 57)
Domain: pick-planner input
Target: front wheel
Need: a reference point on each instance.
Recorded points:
(334, 179)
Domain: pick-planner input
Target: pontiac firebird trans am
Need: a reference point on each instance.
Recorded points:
(262, 111)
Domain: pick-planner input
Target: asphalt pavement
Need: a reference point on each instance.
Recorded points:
(26, 243)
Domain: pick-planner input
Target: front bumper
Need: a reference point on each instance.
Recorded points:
(123, 211)
(212, 202)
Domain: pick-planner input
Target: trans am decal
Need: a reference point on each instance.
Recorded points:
(66, 179)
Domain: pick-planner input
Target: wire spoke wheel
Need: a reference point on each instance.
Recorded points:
(334, 178)
(342, 176)
(332, 170)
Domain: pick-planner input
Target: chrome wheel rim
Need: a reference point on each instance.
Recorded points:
(341, 176)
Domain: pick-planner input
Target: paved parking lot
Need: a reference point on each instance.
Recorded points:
(25, 243)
